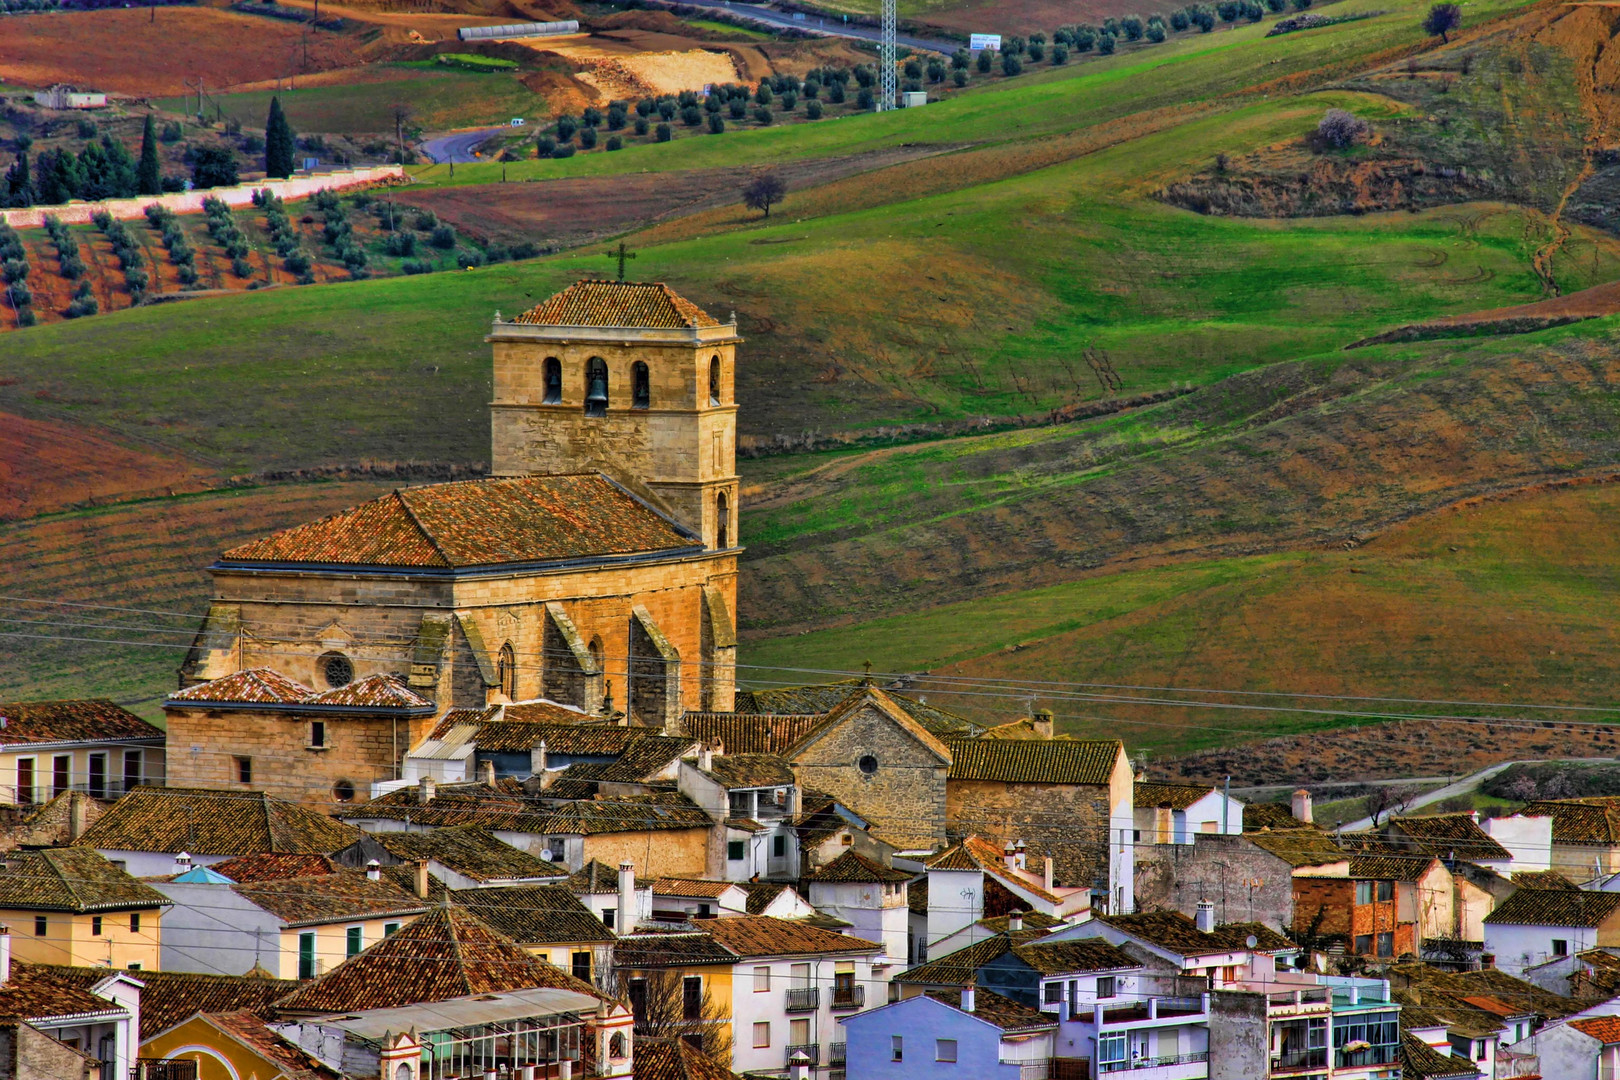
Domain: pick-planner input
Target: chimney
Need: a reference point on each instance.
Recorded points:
(705, 757)
(967, 998)
(419, 878)
(627, 897)
(1042, 723)
(1487, 961)
(425, 790)
(5, 955)
(1206, 916)
(486, 772)
(537, 760)
(77, 809)
(373, 870)
(182, 862)
(1009, 855)
(1047, 877)
(1302, 805)
(799, 1066)
(1020, 862)
(1015, 922)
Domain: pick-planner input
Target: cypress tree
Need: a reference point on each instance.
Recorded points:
(149, 176)
(19, 189)
(279, 144)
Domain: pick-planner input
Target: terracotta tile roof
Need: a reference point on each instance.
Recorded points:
(1605, 1029)
(1170, 796)
(248, 1028)
(645, 758)
(1492, 1005)
(403, 876)
(674, 1059)
(1542, 879)
(535, 914)
(917, 896)
(37, 992)
(70, 879)
(823, 698)
(1390, 867)
(1578, 821)
(70, 721)
(690, 888)
(617, 303)
(1446, 834)
(446, 954)
(265, 686)
(348, 894)
(677, 949)
(513, 736)
(1444, 993)
(206, 822)
(470, 850)
(274, 866)
(545, 712)
(976, 853)
(761, 894)
(594, 877)
(1004, 1012)
(1257, 816)
(1554, 907)
(504, 806)
(257, 686)
(751, 770)
(657, 811)
(173, 996)
(762, 935)
(962, 966)
(1032, 920)
(1179, 934)
(870, 697)
(1055, 762)
(853, 867)
(1060, 957)
(1299, 847)
(1420, 1061)
(468, 523)
(742, 733)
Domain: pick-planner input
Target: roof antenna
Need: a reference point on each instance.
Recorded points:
(868, 680)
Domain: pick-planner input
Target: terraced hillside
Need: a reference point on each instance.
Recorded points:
(1143, 415)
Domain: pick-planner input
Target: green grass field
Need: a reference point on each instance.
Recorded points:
(440, 98)
(1030, 267)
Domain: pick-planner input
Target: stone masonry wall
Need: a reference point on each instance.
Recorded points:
(1220, 869)
(1067, 821)
(904, 798)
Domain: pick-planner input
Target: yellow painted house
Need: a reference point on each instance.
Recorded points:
(71, 906)
(234, 1046)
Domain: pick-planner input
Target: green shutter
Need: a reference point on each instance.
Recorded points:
(306, 956)
(354, 941)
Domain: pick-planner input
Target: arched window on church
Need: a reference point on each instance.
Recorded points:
(722, 520)
(553, 377)
(714, 381)
(506, 671)
(642, 382)
(596, 387)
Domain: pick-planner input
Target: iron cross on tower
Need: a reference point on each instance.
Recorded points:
(622, 254)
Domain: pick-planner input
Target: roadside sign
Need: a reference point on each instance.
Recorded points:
(517, 121)
(977, 42)
(310, 163)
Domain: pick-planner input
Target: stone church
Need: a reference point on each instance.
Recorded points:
(596, 567)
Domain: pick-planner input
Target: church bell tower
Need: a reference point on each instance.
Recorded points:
(628, 378)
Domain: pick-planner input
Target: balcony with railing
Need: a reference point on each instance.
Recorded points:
(1316, 999)
(1150, 1012)
(809, 1050)
(804, 999)
(1190, 1066)
(836, 1052)
(848, 997)
(1299, 1060)
(1372, 1055)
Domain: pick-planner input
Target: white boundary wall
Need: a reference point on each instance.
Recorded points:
(190, 202)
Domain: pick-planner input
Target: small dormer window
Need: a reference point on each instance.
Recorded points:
(553, 381)
(641, 386)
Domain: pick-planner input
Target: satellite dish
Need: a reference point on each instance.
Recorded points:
(545, 854)
(1251, 941)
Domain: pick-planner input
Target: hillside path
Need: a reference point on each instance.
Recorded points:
(457, 147)
(1462, 787)
(822, 24)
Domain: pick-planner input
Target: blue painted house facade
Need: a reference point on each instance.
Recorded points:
(978, 1034)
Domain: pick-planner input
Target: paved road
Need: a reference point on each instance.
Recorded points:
(826, 25)
(457, 147)
(1465, 785)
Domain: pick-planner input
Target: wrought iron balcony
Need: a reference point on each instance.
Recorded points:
(804, 999)
(848, 997)
(810, 1050)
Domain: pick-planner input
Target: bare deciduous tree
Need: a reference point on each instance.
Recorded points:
(666, 1008)
(763, 191)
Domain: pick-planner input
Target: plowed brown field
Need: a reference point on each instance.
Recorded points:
(129, 52)
(46, 466)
